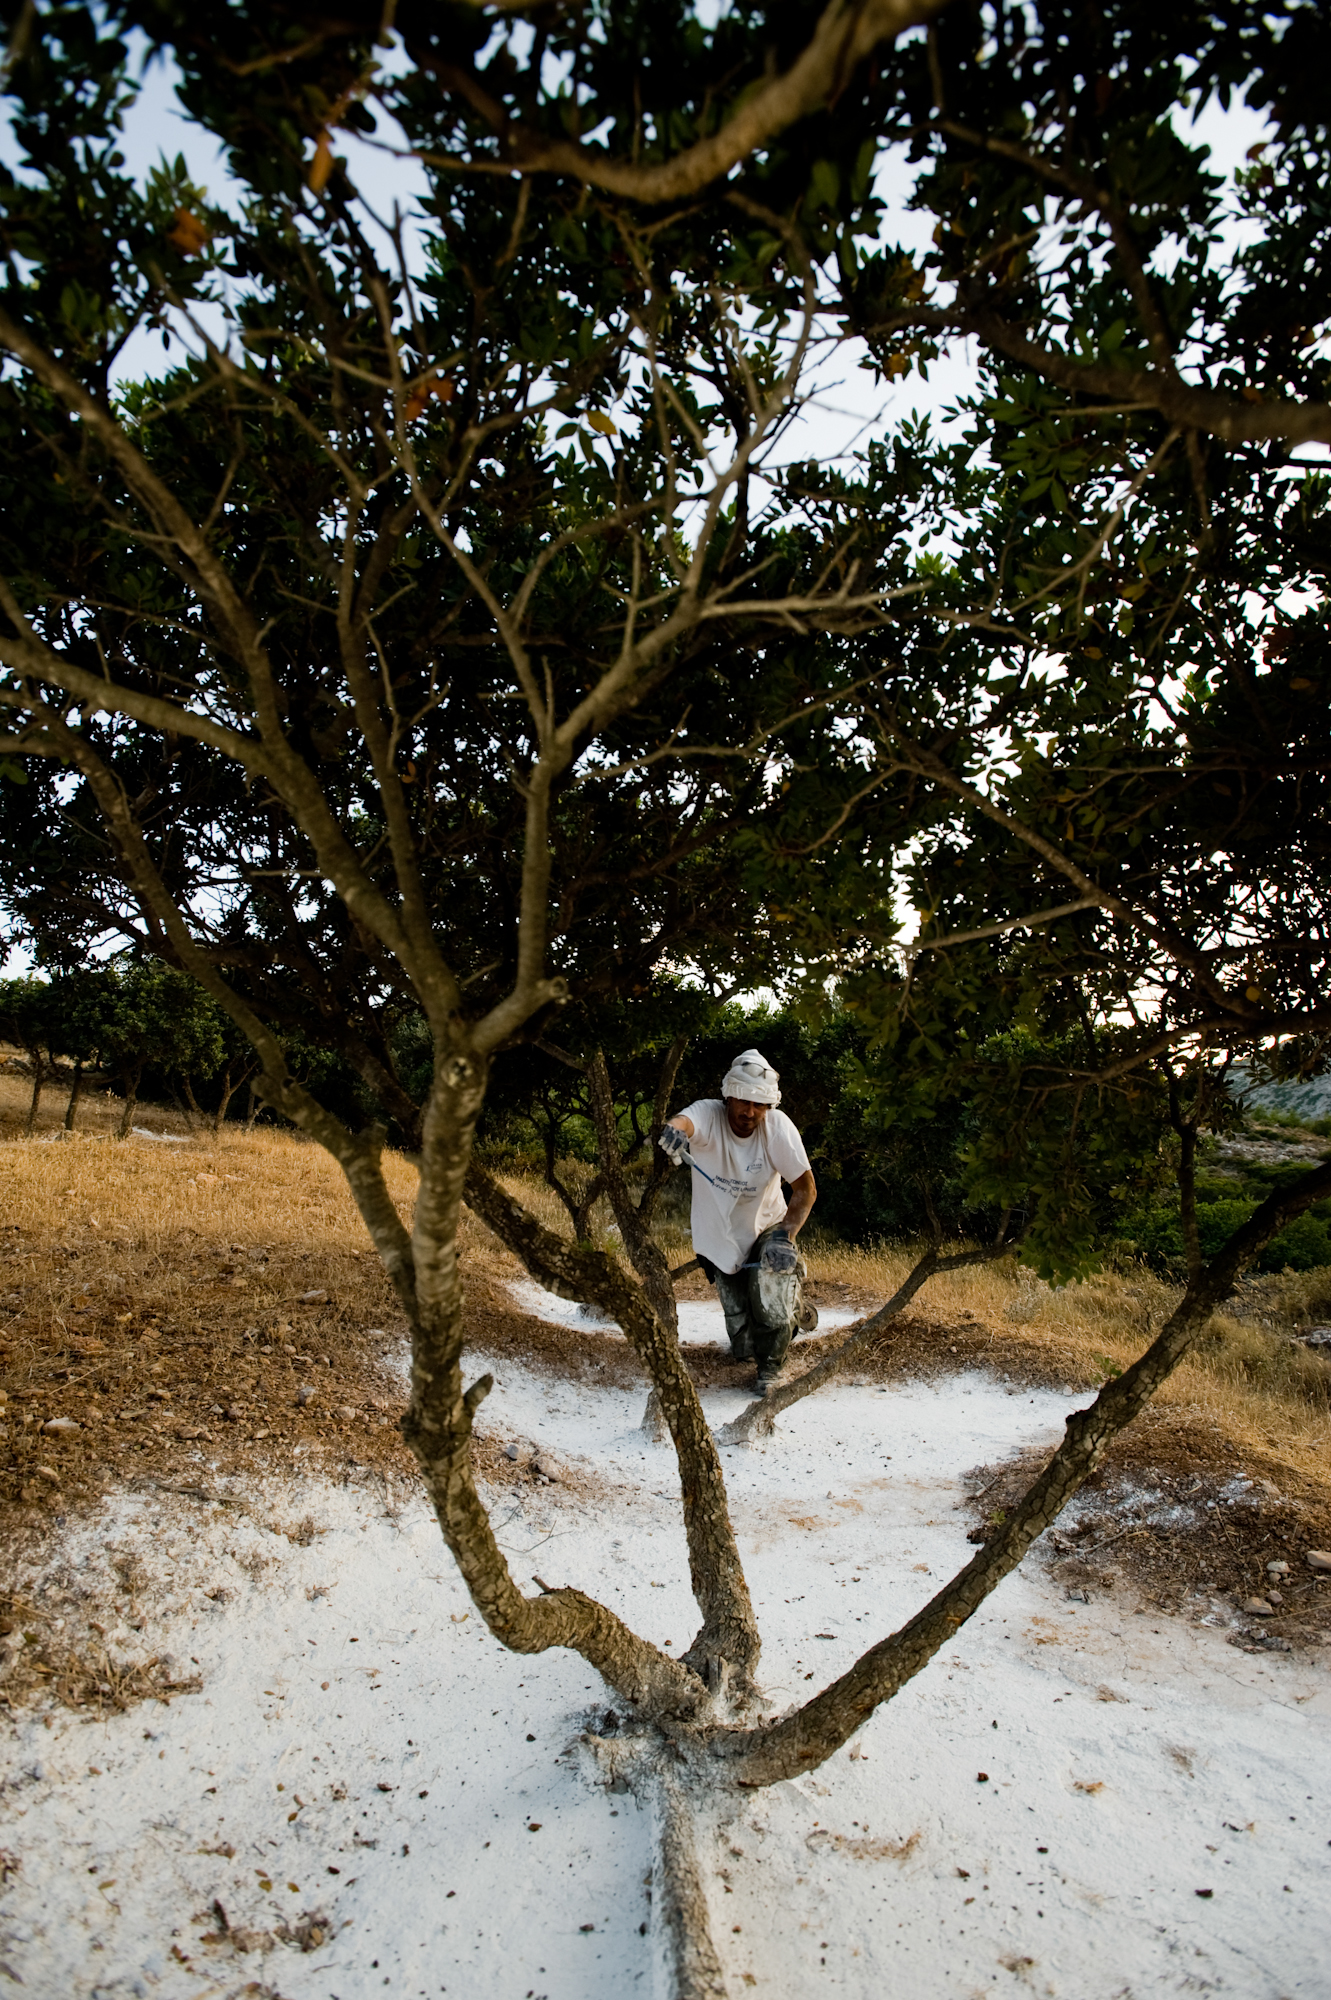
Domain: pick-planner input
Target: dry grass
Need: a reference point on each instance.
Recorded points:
(155, 1296)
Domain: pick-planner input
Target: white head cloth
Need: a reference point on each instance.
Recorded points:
(752, 1077)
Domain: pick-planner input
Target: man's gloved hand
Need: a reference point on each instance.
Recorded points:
(778, 1254)
(672, 1143)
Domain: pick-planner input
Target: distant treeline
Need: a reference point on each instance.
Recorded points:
(889, 1167)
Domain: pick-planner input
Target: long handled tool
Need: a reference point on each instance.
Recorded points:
(685, 1154)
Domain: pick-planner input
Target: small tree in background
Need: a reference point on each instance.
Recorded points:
(153, 1017)
(28, 1020)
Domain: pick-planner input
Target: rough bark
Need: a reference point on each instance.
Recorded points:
(680, 1916)
(728, 1641)
(803, 1740)
(131, 1081)
(75, 1093)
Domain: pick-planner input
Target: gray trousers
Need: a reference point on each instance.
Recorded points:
(762, 1308)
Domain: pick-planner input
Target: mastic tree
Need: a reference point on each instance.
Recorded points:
(151, 1016)
(446, 635)
(28, 1020)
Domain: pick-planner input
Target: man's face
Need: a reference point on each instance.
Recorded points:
(745, 1118)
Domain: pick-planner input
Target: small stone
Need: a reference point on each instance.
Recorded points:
(1277, 1569)
(1274, 1597)
(312, 1299)
(304, 1395)
(346, 1411)
(65, 1426)
(1257, 1607)
(1319, 1559)
(545, 1470)
(47, 1472)
(512, 1451)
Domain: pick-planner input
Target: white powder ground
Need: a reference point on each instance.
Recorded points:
(1131, 1759)
(700, 1321)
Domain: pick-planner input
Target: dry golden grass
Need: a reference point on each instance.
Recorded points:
(154, 1295)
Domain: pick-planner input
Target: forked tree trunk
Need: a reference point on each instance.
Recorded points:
(131, 1082)
(38, 1079)
(577, 1208)
(228, 1091)
(76, 1092)
(728, 1643)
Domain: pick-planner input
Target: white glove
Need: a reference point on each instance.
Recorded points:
(672, 1143)
(779, 1254)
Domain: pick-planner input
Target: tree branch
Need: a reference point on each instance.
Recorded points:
(847, 32)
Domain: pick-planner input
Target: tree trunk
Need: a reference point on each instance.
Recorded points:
(680, 1917)
(38, 1079)
(644, 1254)
(728, 1642)
(579, 1210)
(131, 1083)
(661, 1168)
(439, 1420)
(252, 1108)
(228, 1091)
(76, 1092)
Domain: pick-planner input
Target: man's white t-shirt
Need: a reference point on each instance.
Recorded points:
(729, 1217)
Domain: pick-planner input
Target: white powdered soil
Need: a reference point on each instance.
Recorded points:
(1153, 1816)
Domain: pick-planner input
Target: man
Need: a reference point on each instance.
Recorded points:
(741, 1148)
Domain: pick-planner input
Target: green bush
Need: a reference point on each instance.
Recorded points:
(1217, 1221)
(1157, 1235)
(1302, 1245)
